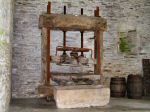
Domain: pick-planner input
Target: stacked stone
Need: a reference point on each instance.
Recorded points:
(129, 14)
(6, 17)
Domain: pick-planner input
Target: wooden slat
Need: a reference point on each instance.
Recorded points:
(48, 49)
(71, 22)
(44, 54)
(98, 66)
(99, 52)
(76, 49)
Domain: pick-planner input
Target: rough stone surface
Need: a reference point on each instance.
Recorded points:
(6, 17)
(121, 15)
(81, 96)
(115, 105)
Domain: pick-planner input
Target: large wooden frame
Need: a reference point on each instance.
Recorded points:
(80, 23)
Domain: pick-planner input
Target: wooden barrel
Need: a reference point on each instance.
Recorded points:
(118, 86)
(134, 86)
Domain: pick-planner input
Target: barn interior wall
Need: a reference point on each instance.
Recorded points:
(122, 16)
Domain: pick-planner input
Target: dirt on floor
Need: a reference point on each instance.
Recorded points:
(115, 105)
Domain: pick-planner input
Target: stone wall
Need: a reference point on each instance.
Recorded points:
(6, 34)
(122, 16)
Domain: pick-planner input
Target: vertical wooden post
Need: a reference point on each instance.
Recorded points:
(98, 47)
(97, 12)
(48, 47)
(98, 52)
(44, 55)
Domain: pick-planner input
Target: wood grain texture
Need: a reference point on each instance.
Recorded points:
(99, 52)
(44, 55)
(71, 22)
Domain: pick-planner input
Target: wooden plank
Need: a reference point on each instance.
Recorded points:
(98, 64)
(48, 48)
(75, 49)
(99, 52)
(44, 55)
(71, 22)
(98, 47)
(45, 52)
(70, 74)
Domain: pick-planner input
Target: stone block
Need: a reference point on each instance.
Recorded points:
(45, 90)
(81, 96)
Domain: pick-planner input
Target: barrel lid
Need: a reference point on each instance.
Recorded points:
(117, 78)
(134, 76)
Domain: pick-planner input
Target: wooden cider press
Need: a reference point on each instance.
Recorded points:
(74, 57)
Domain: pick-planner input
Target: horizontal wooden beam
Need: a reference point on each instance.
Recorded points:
(75, 49)
(72, 22)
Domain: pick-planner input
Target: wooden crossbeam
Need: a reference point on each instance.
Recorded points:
(72, 22)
